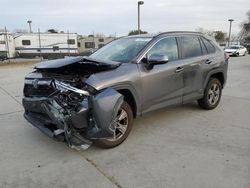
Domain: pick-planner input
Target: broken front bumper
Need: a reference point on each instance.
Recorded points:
(94, 117)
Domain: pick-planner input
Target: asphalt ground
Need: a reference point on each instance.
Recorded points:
(176, 147)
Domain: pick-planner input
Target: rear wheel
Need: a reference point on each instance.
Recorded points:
(123, 127)
(212, 95)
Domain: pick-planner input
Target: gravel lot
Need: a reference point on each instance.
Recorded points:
(175, 147)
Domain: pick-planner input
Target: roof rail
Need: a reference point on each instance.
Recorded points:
(179, 32)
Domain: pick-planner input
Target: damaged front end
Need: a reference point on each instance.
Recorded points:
(75, 113)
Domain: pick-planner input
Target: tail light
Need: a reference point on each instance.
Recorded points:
(227, 56)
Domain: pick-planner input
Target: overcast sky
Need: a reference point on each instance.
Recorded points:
(120, 16)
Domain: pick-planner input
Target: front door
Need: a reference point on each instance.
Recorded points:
(162, 85)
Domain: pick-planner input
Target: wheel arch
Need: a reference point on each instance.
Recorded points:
(216, 74)
(130, 99)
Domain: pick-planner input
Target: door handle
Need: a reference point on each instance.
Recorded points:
(208, 61)
(179, 69)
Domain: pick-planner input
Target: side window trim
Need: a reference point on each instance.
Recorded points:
(214, 48)
(202, 43)
(178, 38)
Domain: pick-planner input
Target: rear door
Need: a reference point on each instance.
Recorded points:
(193, 60)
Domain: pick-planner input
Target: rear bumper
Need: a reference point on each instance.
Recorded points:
(231, 53)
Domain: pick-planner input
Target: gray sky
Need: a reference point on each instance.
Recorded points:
(120, 16)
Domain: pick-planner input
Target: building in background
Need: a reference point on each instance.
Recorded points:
(7, 46)
(89, 44)
(46, 45)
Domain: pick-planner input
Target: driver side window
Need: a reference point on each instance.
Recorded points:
(166, 46)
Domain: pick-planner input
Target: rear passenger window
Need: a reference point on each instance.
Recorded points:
(203, 48)
(190, 47)
(209, 46)
(166, 46)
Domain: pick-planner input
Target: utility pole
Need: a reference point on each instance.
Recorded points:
(139, 3)
(29, 22)
(68, 44)
(230, 27)
(39, 38)
(7, 44)
(93, 42)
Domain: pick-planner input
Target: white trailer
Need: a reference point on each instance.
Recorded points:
(47, 45)
(87, 45)
(7, 46)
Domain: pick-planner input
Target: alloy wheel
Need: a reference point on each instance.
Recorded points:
(213, 94)
(120, 125)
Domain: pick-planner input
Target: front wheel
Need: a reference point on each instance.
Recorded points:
(212, 95)
(123, 127)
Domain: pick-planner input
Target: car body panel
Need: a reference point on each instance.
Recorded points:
(125, 76)
(161, 86)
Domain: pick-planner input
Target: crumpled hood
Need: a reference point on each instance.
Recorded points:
(71, 61)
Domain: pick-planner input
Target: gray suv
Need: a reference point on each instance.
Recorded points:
(82, 100)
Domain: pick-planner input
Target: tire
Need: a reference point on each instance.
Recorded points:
(244, 54)
(110, 143)
(212, 95)
(237, 55)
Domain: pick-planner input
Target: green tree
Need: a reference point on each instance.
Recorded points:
(135, 32)
(219, 36)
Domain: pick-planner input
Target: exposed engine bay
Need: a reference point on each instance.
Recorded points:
(59, 102)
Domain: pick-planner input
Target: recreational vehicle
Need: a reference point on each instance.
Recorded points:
(87, 45)
(7, 46)
(47, 45)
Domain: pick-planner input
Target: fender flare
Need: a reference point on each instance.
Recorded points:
(212, 72)
(131, 88)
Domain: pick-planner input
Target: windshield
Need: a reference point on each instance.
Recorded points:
(232, 47)
(121, 50)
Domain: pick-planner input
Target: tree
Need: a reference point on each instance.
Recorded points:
(135, 32)
(219, 36)
(245, 29)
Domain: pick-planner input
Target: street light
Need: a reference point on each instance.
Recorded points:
(230, 27)
(139, 3)
(29, 22)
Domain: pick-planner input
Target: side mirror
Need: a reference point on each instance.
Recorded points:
(156, 59)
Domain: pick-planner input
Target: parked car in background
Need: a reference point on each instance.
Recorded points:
(236, 50)
(94, 99)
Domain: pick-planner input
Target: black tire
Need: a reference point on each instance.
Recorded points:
(212, 95)
(244, 54)
(237, 55)
(108, 143)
